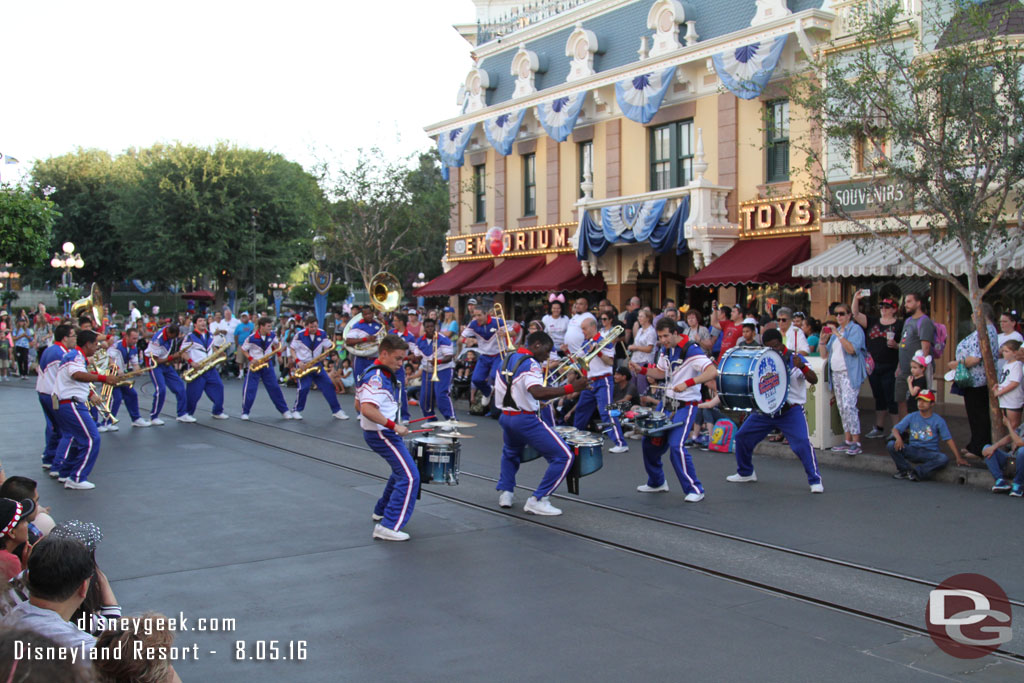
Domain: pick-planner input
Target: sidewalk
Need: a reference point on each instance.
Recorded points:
(876, 459)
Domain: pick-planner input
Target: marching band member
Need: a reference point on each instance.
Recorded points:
(256, 346)
(377, 397)
(202, 345)
(400, 321)
(124, 355)
(436, 395)
(49, 363)
(599, 395)
(366, 328)
(484, 330)
(73, 393)
(521, 424)
(791, 420)
(163, 350)
(306, 346)
(686, 367)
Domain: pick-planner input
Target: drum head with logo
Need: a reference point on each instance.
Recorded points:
(770, 382)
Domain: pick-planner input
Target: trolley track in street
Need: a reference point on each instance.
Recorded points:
(439, 492)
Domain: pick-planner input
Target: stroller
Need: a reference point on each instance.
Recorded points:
(464, 365)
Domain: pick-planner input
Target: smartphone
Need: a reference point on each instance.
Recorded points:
(865, 292)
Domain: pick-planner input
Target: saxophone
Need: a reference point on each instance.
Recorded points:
(310, 367)
(208, 363)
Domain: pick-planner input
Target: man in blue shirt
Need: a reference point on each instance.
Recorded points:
(925, 430)
(242, 332)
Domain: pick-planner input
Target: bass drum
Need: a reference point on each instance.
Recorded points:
(753, 379)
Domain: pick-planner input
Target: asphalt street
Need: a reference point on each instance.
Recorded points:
(268, 523)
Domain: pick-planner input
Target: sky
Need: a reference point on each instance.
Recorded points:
(310, 80)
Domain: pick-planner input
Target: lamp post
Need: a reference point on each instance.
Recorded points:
(6, 276)
(416, 286)
(67, 261)
(277, 289)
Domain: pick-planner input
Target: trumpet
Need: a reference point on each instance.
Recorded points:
(579, 361)
(505, 342)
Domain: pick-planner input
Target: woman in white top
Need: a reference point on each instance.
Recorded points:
(1008, 328)
(642, 348)
(555, 324)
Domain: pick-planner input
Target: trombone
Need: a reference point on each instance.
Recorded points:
(505, 343)
(433, 375)
(580, 361)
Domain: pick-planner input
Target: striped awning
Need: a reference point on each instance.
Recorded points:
(852, 258)
(951, 257)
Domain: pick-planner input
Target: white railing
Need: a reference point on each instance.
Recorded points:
(850, 14)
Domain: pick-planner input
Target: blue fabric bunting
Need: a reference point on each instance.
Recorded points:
(632, 223)
(451, 145)
(143, 287)
(560, 114)
(501, 131)
(640, 97)
(320, 307)
(746, 70)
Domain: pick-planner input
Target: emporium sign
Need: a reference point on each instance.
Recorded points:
(545, 239)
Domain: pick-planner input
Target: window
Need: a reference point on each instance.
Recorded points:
(672, 155)
(868, 153)
(529, 184)
(480, 194)
(586, 160)
(777, 144)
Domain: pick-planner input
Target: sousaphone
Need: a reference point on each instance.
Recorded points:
(385, 296)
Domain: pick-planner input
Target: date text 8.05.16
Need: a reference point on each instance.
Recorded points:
(270, 650)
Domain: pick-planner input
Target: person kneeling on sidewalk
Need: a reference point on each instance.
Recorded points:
(926, 429)
(996, 459)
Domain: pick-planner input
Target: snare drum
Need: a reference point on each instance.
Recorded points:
(437, 459)
(589, 458)
(565, 430)
(652, 421)
(753, 379)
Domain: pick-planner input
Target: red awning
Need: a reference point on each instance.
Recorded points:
(510, 270)
(452, 281)
(755, 262)
(561, 275)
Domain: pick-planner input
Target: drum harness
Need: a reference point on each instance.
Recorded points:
(508, 405)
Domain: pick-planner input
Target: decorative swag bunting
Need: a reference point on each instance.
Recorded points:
(632, 223)
(501, 131)
(746, 70)
(640, 97)
(451, 145)
(560, 114)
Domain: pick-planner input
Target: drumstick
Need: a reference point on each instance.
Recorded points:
(421, 419)
(419, 431)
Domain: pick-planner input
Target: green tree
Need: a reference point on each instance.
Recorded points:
(225, 213)
(26, 226)
(934, 105)
(387, 215)
(86, 185)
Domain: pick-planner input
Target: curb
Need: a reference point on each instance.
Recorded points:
(978, 477)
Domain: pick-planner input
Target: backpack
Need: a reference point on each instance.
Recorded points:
(723, 436)
(941, 335)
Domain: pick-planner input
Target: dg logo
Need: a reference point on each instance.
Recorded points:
(969, 616)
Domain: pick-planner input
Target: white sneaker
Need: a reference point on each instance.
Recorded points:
(296, 415)
(694, 497)
(386, 534)
(186, 418)
(619, 449)
(54, 474)
(79, 485)
(740, 477)
(46, 467)
(486, 400)
(541, 507)
(644, 488)
(817, 488)
(141, 423)
(221, 416)
(244, 416)
(375, 517)
(61, 479)
(157, 422)
(112, 428)
(101, 429)
(505, 499)
(240, 373)
(341, 415)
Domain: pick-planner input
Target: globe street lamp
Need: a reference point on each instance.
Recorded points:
(67, 261)
(277, 289)
(416, 285)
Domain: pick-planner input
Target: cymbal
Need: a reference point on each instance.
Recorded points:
(453, 435)
(454, 424)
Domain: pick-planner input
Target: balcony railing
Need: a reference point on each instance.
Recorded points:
(850, 14)
(522, 17)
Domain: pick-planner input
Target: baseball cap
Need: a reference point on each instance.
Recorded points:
(471, 302)
(12, 512)
(86, 532)
(887, 302)
(449, 309)
(926, 395)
